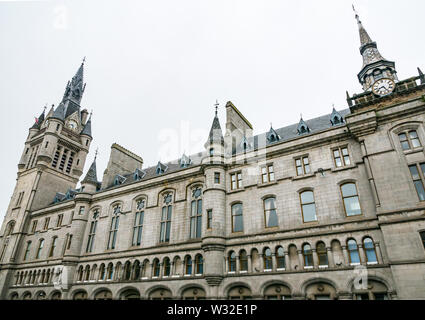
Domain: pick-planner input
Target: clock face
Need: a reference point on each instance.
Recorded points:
(383, 87)
(72, 125)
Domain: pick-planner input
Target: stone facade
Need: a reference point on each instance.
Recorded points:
(344, 222)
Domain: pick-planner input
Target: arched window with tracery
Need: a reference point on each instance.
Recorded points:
(370, 250)
(92, 230)
(308, 256)
(243, 261)
(138, 222)
(353, 252)
(280, 258)
(196, 214)
(322, 254)
(166, 213)
(113, 231)
(199, 264)
(232, 261)
(156, 268)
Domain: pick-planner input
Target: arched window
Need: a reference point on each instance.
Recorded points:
(80, 273)
(40, 247)
(188, 265)
(110, 272)
(237, 219)
(167, 267)
(308, 206)
(199, 264)
(127, 270)
(114, 226)
(196, 214)
(308, 256)
(87, 273)
(138, 223)
(267, 259)
(280, 258)
(243, 261)
(102, 273)
(353, 251)
(156, 268)
(232, 261)
(53, 247)
(92, 230)
(351, 199)
(27, 250)
(240, 293)
(145, 265)
(369, 247)
(277, 292)
(322, 254)
(166, 219)
(136, 270)
(270, 215)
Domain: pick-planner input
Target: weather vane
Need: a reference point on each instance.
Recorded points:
(216, 106)
(96, 152)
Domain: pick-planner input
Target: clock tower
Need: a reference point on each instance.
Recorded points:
(378, 74)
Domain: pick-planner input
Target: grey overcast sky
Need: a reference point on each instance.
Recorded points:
(155, 68)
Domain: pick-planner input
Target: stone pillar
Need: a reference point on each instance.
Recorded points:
(287, 261)
(249, 263)
(315, 258)
(378, 253)
(300, 259)
(237, 264)
(346, 258)
(331, 262)
(274, 262)
(362, 255)
(151, 271)
(172, 268)
(227, 265)
(261, 260)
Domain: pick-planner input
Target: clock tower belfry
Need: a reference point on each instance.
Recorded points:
(375, 67)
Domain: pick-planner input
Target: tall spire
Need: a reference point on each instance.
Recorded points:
(216, 135)
(375, 66)
(91, 176)
(75, 88)
(364, 36)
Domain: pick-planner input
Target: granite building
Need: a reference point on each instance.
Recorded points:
(329, 208)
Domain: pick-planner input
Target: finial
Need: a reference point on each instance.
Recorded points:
(271, 125)
(216, 107)
(45, 107)
(84, 59)
(301, 115)
(95, 153)
(91, 112)
(357, 15)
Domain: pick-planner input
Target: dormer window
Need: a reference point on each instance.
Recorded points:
(119, 180)
(185, 161)
(336, 118)
(303, 127)
(272, 135)
(161, 168)
(139, 174)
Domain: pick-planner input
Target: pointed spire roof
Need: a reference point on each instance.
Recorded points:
(59, 112)
(364, 36)
(302, 127)
(91, 176)
(87, 128)
(272, 135)
(75, 88)
(39, 120)
(216, 134)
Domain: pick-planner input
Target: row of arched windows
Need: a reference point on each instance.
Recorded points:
(34, 277)
(134, 271)
(308, 257)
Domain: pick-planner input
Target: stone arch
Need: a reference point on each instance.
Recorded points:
(163, 192)
(159, 292)
(276, 290)
(381, 278)
(40, 295)
(79, 294)
(101, 293)
(14, 296)
(193, 292)
(238, 290)
(193, 185)
(317, 288)
(26, 295)
(55, 295)
(128, 293)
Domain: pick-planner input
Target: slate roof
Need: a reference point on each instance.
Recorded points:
(87, 128)
(91, 176)
(216, 135)
(285, 134)
(59, 112)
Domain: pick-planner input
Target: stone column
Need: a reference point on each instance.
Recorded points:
(274, 262)
(151, 271)
(331, 262)
(287, 261)
(261, 259)
(315, 258)
(378, 253)
(300, 259)
(237, 264)
(346, 258)
(227, 265)
(172, 268)
(362, 255)
(249, 263)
